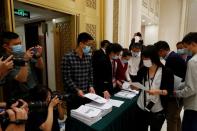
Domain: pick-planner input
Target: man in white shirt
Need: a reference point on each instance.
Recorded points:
(189, 90)
(134, 62)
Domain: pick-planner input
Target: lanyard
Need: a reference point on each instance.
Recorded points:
(151, 83)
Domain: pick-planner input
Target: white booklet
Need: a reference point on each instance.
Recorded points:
(138, 85)
(95, 98)
(116, 103)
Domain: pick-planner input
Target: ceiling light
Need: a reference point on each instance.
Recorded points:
(54, 20)
(143, 20)
(149, 23)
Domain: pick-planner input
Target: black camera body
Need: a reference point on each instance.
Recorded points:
(18, 61)
(60, 95)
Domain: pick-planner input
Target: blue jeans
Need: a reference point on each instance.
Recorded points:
(189, 121)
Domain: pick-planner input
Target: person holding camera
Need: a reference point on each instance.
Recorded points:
(152, 103)
(18, 115)
(45, 118)
(22, 77)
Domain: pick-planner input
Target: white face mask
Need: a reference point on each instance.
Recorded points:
(147, 63)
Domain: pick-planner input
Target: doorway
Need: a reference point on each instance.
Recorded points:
(54, 31)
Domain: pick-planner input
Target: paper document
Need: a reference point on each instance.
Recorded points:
(138, 85)
(125, 94)
(127, 87)
(95, 98)
(116, 103)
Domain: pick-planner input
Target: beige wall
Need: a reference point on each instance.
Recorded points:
(87, 13)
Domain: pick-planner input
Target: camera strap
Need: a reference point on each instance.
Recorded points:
(150, 83)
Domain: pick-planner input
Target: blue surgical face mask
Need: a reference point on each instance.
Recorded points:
(187, 52)
(181, 51)
(115, 57)
(18, 49)
(86, 50)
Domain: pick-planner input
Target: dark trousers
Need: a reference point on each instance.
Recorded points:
(173, 115)
(143, 119)
(189, 120)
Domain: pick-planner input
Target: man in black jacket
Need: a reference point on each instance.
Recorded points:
(103, 70)
(178, 66)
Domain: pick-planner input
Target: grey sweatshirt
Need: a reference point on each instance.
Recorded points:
(189, 91)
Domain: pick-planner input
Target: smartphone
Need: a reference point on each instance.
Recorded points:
(35, 50)
(149, 106)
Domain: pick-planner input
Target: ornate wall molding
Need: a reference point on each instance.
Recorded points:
(91, 29)
(91, 3)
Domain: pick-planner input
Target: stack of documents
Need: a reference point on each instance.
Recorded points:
(106, 107)
(125, 94)
(86, 114)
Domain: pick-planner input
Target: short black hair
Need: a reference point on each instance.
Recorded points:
(113, 47)
(190, 37)
(139, 34)
(39, 93)
(126, 52)
(162, 45)
(5, 37)
(84, 37)
(178, 43)
(104, 43)
(151, 52)
(136, 45)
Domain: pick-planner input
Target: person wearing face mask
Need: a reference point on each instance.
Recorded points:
(178, 66)
(188, 90)
(122, 69)
(104, 72)
(21, 78)
(134, 61)
(152, 103)
(45, 118)
(183, 52)
(77, 72)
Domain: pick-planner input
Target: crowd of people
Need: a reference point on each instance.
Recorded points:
(169, 76)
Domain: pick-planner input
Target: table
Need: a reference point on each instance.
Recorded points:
(119, 119)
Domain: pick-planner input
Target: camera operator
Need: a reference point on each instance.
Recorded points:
(45, 119)
(16, 114)
(22, 76)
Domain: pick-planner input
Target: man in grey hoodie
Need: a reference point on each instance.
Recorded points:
(189, 89)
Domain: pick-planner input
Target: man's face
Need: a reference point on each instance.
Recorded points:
(162, 53)
(87, 43)
(13, 42)
(191, 47)
(179, 46)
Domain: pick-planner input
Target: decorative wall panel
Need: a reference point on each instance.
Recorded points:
(91, 29)
(91, 3)
(65, 36)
